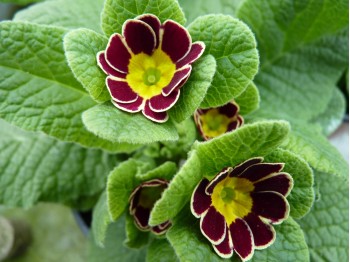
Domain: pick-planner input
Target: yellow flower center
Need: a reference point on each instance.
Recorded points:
(149, 74)
(231, 198)
(214, 123)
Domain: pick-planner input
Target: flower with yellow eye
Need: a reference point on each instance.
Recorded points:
(239, 206)
(148, 64)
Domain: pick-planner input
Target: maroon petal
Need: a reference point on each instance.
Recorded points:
(133, 107)
(270, 205)
(213, 226)
(177, 80)
(117, 54)
(243, 166)
(161, 229)
(176, 40)
(232, 126)
(242, 239)
(281, 183)
(159, 117)
(196, 51)
(263, 234)
(134, 199)
(120, 90)
(162, 103)
(153, 22)
(101, 61)
(139, 36)
(141, 216)
(225, 248)
(229, 110)
(200, 201)
(218, 178)
(261, 170)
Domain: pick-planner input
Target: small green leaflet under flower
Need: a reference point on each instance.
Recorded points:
(148, 64)
(238, 207)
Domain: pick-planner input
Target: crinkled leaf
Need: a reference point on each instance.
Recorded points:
(110, 123)
(38, 92)
(326, 227)
(195, 8)
(193, 92)
(56, 236)
(178, 192)
(232, 148)
(114, 246)
(64, 13)
(333, 116)
(310, 144)
(120, 184)
(164, 171)
(116, 12)
(209, 158)
(81, 47)
(249, 100)
(289, 246)
(35, 167)
(233, 46)
(301, 46)
(301, 197)
(160, 251)
(100, 220)
(134, 237)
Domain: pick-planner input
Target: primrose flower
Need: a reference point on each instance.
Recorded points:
(148, 64)
(212, 122)
(142, 200)
(238, 207)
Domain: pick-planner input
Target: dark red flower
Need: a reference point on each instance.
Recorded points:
(148, 64)
(142, 200)
(212, 122)
(239, 206)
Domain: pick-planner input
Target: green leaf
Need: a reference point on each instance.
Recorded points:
(164, 171)
(193, 92)
(64, 13)
(233, 45)
(333, 116)
(160, 251)
(121, 182)
(301, 46)
(195, 8)
(208, 158)
(289, 245)
(302, 196)
(114, 247)
(116, 12)
(326, 227)
(38, 92)
(81, 47)
(56, 236)
(249, 100)
(232, 148)
(35, 167)
(20, 2)
(100, 220)
(310, 144)
(134, 237)
(110, 123)
(178, 192)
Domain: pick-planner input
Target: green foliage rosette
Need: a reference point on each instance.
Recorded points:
(190, 130)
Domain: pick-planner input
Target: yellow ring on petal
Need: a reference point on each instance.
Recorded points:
(149, 74)
(231, 198)
(214, 123)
